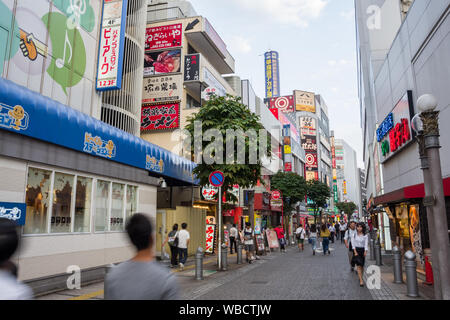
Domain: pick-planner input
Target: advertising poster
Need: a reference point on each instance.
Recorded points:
(162, 62)
(160, 117)
(163, 37)
(272, 239)
(311, 161)
(308, 126)
(260, 243)
(284, 104)
(192, 67)
(226, 235)
(210, 237)
(258, 220)
(112, 36)
(309, 143)
(162, 89)
(305, 101)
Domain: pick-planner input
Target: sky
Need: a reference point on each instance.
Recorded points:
(317, 46)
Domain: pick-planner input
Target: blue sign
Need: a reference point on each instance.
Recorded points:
(385, 127)
(217, 179)
(48, 120)
(14, 211)
(272, 74)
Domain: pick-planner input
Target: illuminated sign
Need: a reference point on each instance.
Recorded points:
(159, 117)
(112, 43)
(272, 74)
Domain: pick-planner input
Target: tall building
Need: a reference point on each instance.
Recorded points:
(410, 53)
(69, 179)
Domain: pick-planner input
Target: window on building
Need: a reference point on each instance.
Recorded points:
(191, 103)
(131, 201)
(83, 205)
(37, 200)
(117, 207)
(101, 206)
(62, 200)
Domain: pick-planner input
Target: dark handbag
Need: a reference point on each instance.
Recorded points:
(357, 260)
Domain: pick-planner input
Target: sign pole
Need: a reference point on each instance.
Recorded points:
(219, 244)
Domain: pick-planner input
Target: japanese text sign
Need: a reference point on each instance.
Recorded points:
(192, 67)
(163, 37)
(162, 89)
(160, 117)
(112, 43)
(210, 235)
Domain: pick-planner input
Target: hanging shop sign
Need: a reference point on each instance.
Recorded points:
(395, 133)
(210, 237)
(192, 67)
(162, 89)
(272, 73)
(15, 212)
(276, 201)
(284, 104)
(209, 192)
(160, 117)
(112, 43)
(162, 62)
(163, 37)
(305, 101)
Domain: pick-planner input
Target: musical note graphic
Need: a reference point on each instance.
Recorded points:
(60, 62)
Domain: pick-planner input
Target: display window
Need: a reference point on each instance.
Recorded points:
(117, 207)
(61, 219)
(102, 205)
(37, 200)
(131, 201)
(83, 201)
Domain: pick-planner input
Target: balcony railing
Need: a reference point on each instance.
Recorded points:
(163, 14)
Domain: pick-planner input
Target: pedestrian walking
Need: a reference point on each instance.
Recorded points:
(360, 243)
(325, 235)
(233, 237)
(348, 243)
(172, 240)
(338, 233)
(332, 232)
(313, 238)
(183, 243)
(248, 235)
(300, 234)
(10, 288)
(141, 278)
(342, 229)
(280, 234)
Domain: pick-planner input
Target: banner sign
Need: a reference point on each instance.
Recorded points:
(305, 101)
(308, 126)
(162, 62)
(15, 212)
(162, 89)
(284, 104)
(163, 37)
(192, 67)
(112, 43)
(160, 117)
(309, 143)
(210, 237)
(272, 73)
(395, 133)
(209, 192)
(311, 160)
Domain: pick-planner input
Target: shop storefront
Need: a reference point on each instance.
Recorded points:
(78, 180)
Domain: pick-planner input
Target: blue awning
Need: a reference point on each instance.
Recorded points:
(29, 113)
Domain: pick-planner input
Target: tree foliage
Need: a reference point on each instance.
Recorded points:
(347, 207)
(222, 114)
(319, 193)
(292, 186)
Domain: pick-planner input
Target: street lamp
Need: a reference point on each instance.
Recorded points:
(426, 125)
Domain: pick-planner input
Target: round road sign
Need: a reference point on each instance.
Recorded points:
(216, 179)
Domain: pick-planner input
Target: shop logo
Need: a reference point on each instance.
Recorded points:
(153, 164)
(98, 146)
(13, 214)
(13, 117)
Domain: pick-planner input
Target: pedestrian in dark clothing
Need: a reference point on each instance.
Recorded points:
(172, 239)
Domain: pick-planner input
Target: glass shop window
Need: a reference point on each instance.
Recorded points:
(101, 206)
(83, 201)
(62, 199)
(131, 201)
(37, 200)
(117, 207)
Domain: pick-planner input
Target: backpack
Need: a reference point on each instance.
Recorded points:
(173, 239)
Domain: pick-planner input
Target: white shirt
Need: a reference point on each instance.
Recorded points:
(360, 241)
(183, 237)
(343, 227)
(332, 229)
(233, 232)
(313, 234)
(349, 237)
(248, 231)
(11, 289)
(300, 231)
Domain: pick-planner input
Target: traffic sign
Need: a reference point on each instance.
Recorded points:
(217, 179)
(276, 195)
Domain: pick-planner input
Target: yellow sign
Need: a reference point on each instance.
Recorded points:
(305, 101)
(345, 187)
(287, 149)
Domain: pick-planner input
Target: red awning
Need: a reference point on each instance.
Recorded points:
(411, 192)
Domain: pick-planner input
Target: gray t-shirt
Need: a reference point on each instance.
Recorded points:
(11, 289)
(133, 280)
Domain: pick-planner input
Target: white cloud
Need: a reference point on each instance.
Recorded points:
(290, 12)
(239, 44)
(349, 15)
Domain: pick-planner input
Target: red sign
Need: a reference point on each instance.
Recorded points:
(288, 166)
(163, 37)
(276, 195)
(210, 234)
(399, 135)
(311, 161)
(284, 104)
(160, 117)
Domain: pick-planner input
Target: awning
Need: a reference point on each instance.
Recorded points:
(408, 193)
(28, 113)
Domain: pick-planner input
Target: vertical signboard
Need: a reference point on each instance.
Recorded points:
(308, 132)
(112, 43)
(272, 74)
(192, 67)
(210, 237)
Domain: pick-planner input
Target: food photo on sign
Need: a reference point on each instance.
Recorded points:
(161, 62)
(160, 117)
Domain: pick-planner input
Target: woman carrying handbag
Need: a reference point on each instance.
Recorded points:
(360, 243)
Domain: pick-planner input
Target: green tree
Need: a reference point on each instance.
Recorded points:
(347, 207)
(223, 114)
(319, 193)
(292, 186)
